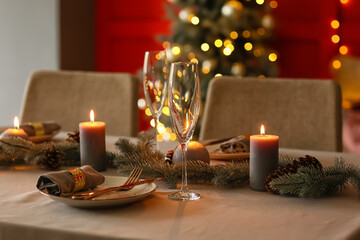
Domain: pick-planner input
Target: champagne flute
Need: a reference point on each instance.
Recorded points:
(184, 104)
(155, 84)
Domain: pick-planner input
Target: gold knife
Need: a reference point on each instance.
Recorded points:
(85, 196)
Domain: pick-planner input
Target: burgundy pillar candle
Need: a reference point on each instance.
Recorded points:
(92, 143)
(16, 131)
(264, 158)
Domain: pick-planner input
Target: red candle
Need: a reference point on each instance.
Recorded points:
(16, 131)
(92, 143)
(264, 158)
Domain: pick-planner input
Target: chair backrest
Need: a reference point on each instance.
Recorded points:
(67, 97)
(306, 114)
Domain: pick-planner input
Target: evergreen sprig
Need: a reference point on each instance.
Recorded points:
(310, 182)
(142, 155)
(21, 151)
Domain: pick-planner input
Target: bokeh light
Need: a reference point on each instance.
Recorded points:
(272, 57)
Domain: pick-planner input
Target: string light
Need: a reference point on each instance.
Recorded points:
(227, 42)
(205, 47)
(343, 50)
(195, 20)
(166, 44)
(272, 57)
(176, 50)
(141, 103)
(273, 4)
(191, 55)
(148, 112)
(205, 69)
(248, 46)
(335, 24)
(260, 2)
(234, 35)
(336, 64)
(218, 43)
(227, 51)
(246, 34)
(194, 60)
(335, 38)
(218, 75)
(166, 111)
(344, 1)
(261, 31)
(257, 52)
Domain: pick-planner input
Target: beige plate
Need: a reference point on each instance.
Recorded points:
(216, 154)
(43, 138)
(111, 199)
(228, 156)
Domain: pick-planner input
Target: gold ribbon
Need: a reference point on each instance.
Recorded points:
(79, 177)
(38, 128)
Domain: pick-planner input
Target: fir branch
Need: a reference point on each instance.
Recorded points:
(310, 182)
(15, 148)
(234, 174)
(71, 151)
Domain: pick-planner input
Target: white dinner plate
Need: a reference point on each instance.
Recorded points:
(110, 199)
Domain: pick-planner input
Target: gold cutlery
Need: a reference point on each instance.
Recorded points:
(85, 196)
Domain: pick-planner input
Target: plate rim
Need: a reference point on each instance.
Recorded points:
(91, 203)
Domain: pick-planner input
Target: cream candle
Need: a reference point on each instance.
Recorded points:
(264, 158)
(92, 143)
(16, 131)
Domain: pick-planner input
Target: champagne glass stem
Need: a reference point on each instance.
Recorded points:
(156, 132)
(184, 185)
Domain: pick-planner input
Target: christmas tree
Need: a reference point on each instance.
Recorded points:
(225, 37)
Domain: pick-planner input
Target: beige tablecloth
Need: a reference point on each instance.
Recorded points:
(219, 214)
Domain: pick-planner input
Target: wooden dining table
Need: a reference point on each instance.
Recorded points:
(221, 213)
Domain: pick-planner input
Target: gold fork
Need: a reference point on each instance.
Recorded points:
(133, 178)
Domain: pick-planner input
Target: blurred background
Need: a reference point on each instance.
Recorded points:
(272, 38)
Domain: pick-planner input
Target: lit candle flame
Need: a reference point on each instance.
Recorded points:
(16, 123)
(92, 116)
(262, 130)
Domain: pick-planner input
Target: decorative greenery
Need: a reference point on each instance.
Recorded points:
(310, 182)
(305, 182)
(143, 155)
(18, 150)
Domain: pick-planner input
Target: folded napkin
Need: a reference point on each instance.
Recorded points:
(69, 181)
(236, 145)
(40, 128)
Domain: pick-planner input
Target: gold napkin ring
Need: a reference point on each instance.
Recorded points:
(79, 179)
(38, 128)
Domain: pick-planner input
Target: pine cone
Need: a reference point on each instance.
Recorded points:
(307, 161)
(74, 136)
(51, 159)
(169, 156)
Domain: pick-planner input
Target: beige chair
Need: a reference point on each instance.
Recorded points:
(67, 97)
(306, 114)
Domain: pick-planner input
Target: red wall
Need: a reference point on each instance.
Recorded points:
(126, 29)
(303, 35)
